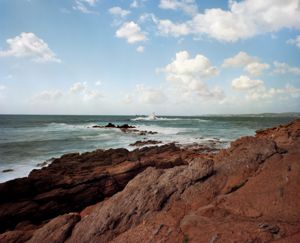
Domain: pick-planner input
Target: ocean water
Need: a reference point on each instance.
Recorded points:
(26, 140)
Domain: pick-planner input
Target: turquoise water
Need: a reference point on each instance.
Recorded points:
(26, 140)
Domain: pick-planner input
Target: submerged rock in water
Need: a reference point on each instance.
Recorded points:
(7, 170)
(110, 125)
(126, 129)
(146, 142)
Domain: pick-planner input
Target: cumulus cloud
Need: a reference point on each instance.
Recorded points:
(78, 87)
(183, 65)
(137, 3)
(283, 68)
(131, 32)
(145, 95)
(188, 6)
(263, 93)
(48, 95)
(119, 12)
(78, 91)
(84, 6)
(243, 20)
(295, 41)
(251, 64)
(256, 89)
(149, 95)
(245, 83)
(148, 17)
(256, 68)
(140, 49)
(89, 95)
(167, 27)
(239, 60)
(29, 45)
(185, 76)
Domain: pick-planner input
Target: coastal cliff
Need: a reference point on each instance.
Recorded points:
(247, 193)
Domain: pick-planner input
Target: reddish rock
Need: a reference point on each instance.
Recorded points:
(253, 196)
(57, 230)
(16, 236)
(76, 181)
(146, 193)
(246, 193)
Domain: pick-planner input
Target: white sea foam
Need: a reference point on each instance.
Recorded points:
(58, 126)
(19, 170)
(146, 118)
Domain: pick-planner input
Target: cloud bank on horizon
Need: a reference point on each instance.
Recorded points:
(175, 57)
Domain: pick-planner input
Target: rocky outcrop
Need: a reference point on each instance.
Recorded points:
(76, 181)
(145, 142)
(57, 230)
(146, 194)
(253, 196)
(246, 193)
(126, 129)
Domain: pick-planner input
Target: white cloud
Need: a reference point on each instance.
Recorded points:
(167, 27)
(188, 6)
(251, 64)
(149, 95)
(239, 60)
(245, 83)
(137, 3)
(84, 6)
(48, 95)
(98, 83)
(243, 20)
(78, 91)
(145, 95)
(140, 49)
(132, 32)
(29, 45)
(256, 68)
(78, 87)
(262, 93)
(282, 68)
(89, 95)
(146, 17)
(185, 76)
(295, 41)
(128, 99)
(183, 65)
(134, 4)
(117, 11)
(90, 2)
(257, 91)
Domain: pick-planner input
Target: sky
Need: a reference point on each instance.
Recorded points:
(172, 57)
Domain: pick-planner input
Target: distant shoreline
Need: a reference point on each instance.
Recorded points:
(267, 114)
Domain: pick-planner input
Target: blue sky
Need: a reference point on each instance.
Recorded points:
(174, 57)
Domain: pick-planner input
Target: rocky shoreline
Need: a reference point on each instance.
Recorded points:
(247, 193)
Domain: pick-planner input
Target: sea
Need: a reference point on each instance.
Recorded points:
(27, 140)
